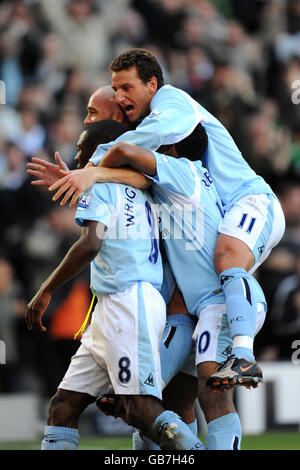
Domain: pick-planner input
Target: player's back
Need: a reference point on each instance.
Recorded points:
(190, 212)
(233, 177)
(130, 249)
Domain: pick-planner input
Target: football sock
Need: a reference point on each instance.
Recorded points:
(242, 292)
(224, 433)
(171, 433)
(176, 345)
(143, 443)
(193, 427)
(60, 438)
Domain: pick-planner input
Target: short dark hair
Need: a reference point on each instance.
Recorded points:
(145, 62)
(102, 132)
(99, 132)
(194, 146)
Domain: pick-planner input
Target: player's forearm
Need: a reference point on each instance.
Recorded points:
(121, 175)
(126, 154)
(78, 257)
(114, 157)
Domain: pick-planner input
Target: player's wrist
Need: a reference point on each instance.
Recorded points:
(46, 289)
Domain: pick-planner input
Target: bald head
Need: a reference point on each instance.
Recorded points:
(102, 105)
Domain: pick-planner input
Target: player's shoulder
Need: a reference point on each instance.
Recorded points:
(169, 91)
(169, 160)
(104, 191)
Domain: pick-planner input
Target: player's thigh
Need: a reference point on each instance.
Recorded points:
(256, 220)
(84, 374)
(127, 328)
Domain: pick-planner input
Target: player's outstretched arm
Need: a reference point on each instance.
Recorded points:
(127, 154)
(77, 181)
(46, 173)
(77, 258)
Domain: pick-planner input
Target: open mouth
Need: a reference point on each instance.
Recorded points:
(128, 108)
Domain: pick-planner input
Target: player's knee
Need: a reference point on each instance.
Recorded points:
(223, 256)
(56, 407)
(230, 252)
(63, 410)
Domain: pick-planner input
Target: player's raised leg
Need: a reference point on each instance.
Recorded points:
(248, 232)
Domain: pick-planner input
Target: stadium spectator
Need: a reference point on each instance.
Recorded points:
(285, 320)
(12, 308)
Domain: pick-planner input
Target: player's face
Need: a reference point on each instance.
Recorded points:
(132, 94)
(100, 107)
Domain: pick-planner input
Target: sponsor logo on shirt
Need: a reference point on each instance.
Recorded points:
(154, 113)
(85, 202)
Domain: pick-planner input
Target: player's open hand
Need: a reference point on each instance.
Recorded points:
(73, 184)
(46, 173)
(35, 310)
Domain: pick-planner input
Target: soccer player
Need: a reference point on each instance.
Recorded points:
(101, 105)
(190, 215)
(181, 392)
(120, 349)
(253, 221)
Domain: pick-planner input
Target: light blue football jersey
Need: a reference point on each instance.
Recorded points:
(130, 248)
(173, 116)
(190, 213)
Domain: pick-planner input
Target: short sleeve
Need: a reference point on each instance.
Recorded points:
(175, 174)
(97, 205)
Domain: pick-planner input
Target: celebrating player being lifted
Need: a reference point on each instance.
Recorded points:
(252, 222)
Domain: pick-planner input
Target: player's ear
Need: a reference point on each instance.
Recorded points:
(152, 85)
(119, 116)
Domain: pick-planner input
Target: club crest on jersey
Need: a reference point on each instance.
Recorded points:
(85, 202)
(154, 113)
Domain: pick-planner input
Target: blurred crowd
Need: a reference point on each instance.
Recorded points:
(239, 59)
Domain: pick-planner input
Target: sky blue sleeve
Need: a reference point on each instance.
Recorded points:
(96, 205)
(175, 174)
(174, 115)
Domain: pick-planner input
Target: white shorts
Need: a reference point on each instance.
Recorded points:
(212, 333)
(120, 348)
(258, 221)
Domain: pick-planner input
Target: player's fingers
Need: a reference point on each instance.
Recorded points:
(34, 321)
(38, 183)
(61, 191)
(74, 198)
(35, 166)
(67, 196)
(58, 184)
(41, 162)
(28, 319)
(36, 173)
(60, 162)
